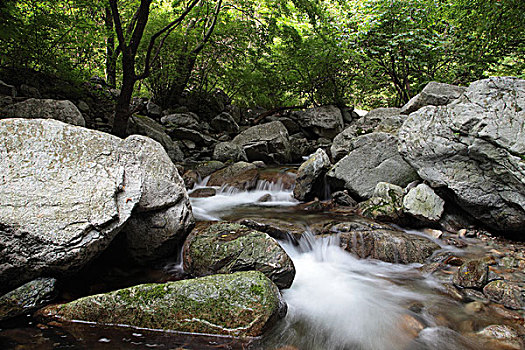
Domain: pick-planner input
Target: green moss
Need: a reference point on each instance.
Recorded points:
(125, 295)
(156, 291)
(257, 289)
(147, 293)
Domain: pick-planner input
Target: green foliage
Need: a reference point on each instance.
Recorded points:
(274, 53)
(53, 36)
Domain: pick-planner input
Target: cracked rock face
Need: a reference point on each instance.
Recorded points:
(66, 191)
(372, 158)
(475, 147)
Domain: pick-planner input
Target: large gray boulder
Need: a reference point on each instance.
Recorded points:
(372, 158)
(62, 110)
(377, 120)
(435, 94)
(66, 191)
(326, 121)
(475, 148)
(229, 247)
(310, 176)
(229, 151)
(163, 216)
(241, 304)
(142, 125)
(267, 142)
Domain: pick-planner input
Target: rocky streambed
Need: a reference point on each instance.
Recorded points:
(346, 282)
(391, 235)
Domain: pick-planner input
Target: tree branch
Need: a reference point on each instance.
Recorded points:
(118, 24)
(168, 28)
(208, 34)
(142, 20)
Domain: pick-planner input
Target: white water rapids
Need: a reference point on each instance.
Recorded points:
(338, 301)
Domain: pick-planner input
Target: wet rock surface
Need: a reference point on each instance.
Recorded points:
(310, 176)
(509, 294)
(278, 229)
(229, 247)
(239, 304)
(502, 336)
(240, 175)
(472, 274)
(381, 242)
(28, 298)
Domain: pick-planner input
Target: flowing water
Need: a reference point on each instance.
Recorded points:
(336, 301)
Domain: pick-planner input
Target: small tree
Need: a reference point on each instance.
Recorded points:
(129, 47)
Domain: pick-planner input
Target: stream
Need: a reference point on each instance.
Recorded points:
(336, 301)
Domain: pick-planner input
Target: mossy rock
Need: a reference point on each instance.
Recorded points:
(385, 205)
(228, 247)
(240, 304)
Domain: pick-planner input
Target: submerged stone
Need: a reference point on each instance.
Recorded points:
(509, 294)
(240, 304)
(228, 247)
(472, 274)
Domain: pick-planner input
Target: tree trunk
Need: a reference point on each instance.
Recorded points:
(111, 59)
(122, 111)
(178, 85)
